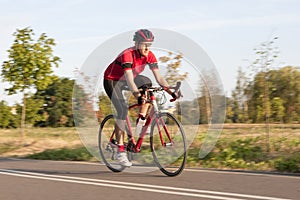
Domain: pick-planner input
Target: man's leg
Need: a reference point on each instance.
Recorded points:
(114, 91)
(120, 131)
(120, 136)
(143, 81)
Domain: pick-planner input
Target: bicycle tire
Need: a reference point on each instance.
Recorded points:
(169, 157)
(108, 150)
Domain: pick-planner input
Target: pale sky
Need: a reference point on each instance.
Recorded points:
(227, 30)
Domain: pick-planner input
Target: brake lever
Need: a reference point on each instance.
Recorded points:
(176, 88)
(178, 84)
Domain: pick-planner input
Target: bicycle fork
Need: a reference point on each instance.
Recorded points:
(160, 122)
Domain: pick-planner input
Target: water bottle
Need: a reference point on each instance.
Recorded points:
(139, 126)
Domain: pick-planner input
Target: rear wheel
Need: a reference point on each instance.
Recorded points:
(108, 149)
(169, 156)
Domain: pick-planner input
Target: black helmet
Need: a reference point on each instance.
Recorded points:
(143, 35)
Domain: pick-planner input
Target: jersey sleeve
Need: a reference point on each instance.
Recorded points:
(126, 60)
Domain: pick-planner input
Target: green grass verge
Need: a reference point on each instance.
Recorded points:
(239, 147)
(249, 154)
(77, 154)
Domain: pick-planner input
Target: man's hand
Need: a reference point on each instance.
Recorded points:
(141, 99)
(176, 95)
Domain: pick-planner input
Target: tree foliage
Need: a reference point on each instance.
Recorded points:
(57, 104)
(8, 119)
(29, 65)
(30, 62)
(239, 106)
(283, 97)
(174, 63)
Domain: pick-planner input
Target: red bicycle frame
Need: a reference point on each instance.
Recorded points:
(154, 113)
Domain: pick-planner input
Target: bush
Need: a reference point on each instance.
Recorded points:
(246, 150)
(241, 153)
(288, 164)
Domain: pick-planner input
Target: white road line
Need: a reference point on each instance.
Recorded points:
(137, 186)
(186, 169)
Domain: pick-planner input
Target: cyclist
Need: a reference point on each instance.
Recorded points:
(125, 71)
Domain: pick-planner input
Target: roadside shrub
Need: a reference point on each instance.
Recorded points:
(288, 164)
(241, 153)
(242, 149)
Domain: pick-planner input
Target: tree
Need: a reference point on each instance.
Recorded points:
(5, 115)
(277, 109)
(284, 95)
(57, 99)
(173, 74)
(33, 107)
(285, 91)
(266, 54)
(204, 103)
(173, 65)
(239, 104)
(105, 105)
(29, 65)
(230, 115)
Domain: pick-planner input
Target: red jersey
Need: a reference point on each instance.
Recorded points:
(129, 59)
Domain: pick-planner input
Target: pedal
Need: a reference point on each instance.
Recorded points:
(130, 147)
(108, 148)
(113, 156)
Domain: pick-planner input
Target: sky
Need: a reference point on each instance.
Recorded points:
(227, 30)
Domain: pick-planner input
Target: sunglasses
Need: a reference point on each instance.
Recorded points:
(145, 44)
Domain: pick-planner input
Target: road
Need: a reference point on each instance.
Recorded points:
(22, 179)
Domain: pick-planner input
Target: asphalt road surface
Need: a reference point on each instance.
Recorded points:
(58, 180)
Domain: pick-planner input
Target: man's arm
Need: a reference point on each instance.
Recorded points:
(130, 82)
(161, 81)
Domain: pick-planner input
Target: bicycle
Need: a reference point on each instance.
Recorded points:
(167, 138)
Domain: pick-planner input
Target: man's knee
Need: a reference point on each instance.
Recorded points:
(121, 116)
(142, 81)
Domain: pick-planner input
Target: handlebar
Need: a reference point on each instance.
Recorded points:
(157, 89)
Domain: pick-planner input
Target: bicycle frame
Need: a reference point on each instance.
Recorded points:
(135, 146)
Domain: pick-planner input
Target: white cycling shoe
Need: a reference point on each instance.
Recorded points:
(123, 160)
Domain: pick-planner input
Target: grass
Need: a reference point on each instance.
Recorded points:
(240, 146)
(75, 154)
(36, 140)
(245, 147)
(8, 147)
(67, 134)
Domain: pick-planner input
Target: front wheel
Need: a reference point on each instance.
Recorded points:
(168, 144)
(107, 148)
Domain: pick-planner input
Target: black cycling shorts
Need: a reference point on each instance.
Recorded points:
(114, 90)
